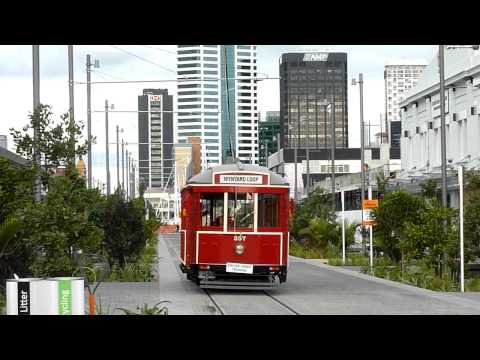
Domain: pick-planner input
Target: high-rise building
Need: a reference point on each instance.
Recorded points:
(400, 76)
(217, 101)
(268, 136)
(309, 83)
(3, 141)
(155, 138)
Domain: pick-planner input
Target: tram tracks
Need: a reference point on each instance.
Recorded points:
(249, 302)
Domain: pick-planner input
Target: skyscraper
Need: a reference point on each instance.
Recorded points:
(155, 138)
(309, 83)
(217, 101)
(400, 76)
(269, 131)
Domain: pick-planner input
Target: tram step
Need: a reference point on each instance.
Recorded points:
(247, 285)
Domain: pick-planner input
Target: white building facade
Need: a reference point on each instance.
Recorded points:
(400, 76)
(420, 116)
(217, 101)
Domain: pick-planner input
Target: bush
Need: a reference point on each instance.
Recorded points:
(140, 271)
(472, 285)
(2, 303)
(300, 251)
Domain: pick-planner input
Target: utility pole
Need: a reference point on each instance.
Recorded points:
(118, 161)
(295, 151)
(127, 156)
(307, 150)
(443, 140)
(36, 104)
(362, 142)
(123, 167)
(107, 157)
(71, 99)
(89, 123)
(332, 143)
(441, 66)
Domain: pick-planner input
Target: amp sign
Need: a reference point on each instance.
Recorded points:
(315, 57)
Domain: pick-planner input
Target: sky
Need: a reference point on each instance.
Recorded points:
(16, 91)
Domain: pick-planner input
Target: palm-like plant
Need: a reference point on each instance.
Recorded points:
(147, 310)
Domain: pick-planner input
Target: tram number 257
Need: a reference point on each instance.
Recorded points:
(240, 237)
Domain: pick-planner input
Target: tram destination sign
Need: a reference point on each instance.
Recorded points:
(241, 179)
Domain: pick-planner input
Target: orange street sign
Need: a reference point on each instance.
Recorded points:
(370, 204)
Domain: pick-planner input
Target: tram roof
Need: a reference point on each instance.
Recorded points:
(205, 177)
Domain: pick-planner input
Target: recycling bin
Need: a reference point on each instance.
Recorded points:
(50, 296)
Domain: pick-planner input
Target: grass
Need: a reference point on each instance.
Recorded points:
(306, 253)
(140, 271)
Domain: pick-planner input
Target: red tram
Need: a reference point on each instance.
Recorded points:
(234, 228)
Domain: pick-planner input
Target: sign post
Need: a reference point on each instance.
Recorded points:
(460, 186)
(368, 206)
(343, 226)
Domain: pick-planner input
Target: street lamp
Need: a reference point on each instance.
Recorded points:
(362, 142)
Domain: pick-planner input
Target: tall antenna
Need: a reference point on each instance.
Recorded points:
(228, 106)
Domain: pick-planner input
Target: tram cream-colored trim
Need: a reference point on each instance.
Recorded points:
(240, 232)
(225, 211)
(255, 212)
(184, 260)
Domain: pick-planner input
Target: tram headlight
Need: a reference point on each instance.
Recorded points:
(239, 249)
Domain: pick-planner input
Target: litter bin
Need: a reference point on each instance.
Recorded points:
(51, 296)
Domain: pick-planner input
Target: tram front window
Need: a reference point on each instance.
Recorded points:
(268, 210)
(212, 209)
(240, 210)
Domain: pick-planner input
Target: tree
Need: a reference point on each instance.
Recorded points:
(321, 234)
(16, 188)
(472, 211)
(64, 222)
(58, 144)
(318, 205)
(429, 239)
(124, 227)
(430, 189)
(394, 210)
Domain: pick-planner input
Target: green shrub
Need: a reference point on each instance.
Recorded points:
(147, 310)
(2, 303)
(472, 285)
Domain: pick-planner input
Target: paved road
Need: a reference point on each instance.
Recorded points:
(311, 288)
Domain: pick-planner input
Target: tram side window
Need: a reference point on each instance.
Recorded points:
(212, 209)
(268, 210)
(240, 210)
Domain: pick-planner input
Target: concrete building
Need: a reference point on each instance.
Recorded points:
(309, 82)
(3, 141)
(347, 161)
(155, 138)
(420, 141)
(217, 101)
(420, 116)
(268, 136)
(400, 76)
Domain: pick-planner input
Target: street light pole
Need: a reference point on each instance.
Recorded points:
(71, 99)
(89, 123)
(118, 160)
(443, 139)
(460, 186)
(441, 59)
(332, 143)
(36, 104)
(123, 167)
(107, 157)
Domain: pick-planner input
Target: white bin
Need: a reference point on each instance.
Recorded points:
(52, 296)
